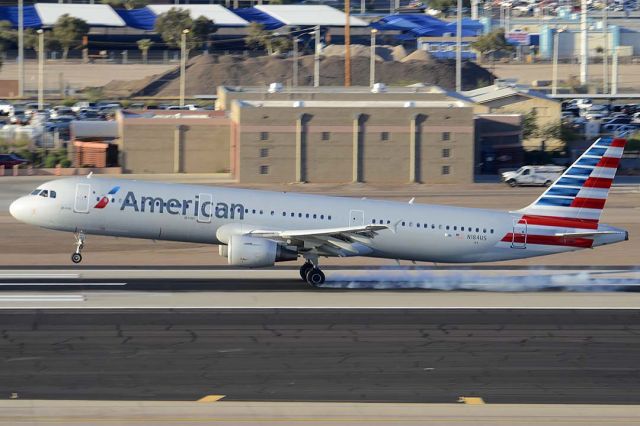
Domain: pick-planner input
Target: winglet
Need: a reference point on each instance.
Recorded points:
(412, 200)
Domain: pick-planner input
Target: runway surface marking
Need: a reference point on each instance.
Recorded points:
(211, 398)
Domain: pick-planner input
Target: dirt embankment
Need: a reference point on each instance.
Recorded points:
(206, 72)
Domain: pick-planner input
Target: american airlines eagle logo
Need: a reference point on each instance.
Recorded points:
(104, 201)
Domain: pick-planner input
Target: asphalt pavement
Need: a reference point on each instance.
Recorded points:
(365, 355)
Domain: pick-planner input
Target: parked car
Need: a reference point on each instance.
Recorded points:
(89, 114)
(5, 107)
(60, 110)
(596, 112)
(533, 175)
(17, 115)
(10, 160)
(82, 105)
(617, 120)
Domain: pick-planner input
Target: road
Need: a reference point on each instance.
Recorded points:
(433, 356)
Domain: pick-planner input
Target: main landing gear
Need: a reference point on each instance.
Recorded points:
(76, 257)
(310, 273)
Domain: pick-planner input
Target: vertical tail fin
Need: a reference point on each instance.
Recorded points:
(577, 198)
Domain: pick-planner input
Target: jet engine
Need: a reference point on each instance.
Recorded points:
(254, 252)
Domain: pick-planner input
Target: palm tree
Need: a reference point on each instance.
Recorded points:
(144, 45)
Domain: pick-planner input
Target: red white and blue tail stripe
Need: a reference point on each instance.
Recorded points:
(577, 198)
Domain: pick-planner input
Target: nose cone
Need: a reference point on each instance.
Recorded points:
(18, 209)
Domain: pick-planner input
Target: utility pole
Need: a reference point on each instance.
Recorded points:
(605, 50)
(347, 44)
(372, 62)
(554, 88)
(614, 72)
(40, 69)
(21, 48)
(584, 43)
(295, 62)
(316, 59)
(459, 48)
(183, 64)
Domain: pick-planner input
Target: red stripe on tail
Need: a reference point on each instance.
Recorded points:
(619, 143)
(588, 203)
(609, 162)
(596, 182)
(561, 222)
(548, 240)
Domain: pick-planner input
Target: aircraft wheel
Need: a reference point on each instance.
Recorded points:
(304, 269)
(76, 258)
(315, 277)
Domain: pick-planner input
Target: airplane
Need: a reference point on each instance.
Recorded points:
(256, 229)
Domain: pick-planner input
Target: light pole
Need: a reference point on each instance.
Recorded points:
(556, 36)
(295, 62)
(614, 72)
(40, 69)
(183, 63)
(605, 50)
(316, 59)
(347, 44)
(21, 48)
(459, 48)
(372, 62)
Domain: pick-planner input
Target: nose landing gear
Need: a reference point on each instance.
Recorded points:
(76, 257)
(310, 273)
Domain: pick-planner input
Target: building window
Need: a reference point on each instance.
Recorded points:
(264, 152)
(446, 170)
(384, 136)
(264, 170)
(325, 136)
(264, 136)
(446, 153)
(446, 136)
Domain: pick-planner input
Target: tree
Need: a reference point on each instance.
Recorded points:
(32, 40)
(8, 36)
(530, 125)
(494, 41)
(259, 38)
(68, 31)
(127, 4)
(171, 24)
(144, 45)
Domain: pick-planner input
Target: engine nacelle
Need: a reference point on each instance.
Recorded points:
(254, 252)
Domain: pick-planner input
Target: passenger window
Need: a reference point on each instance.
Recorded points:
(477, 229)
(373, 221)
(418, 225)
(321, 216)
(307, 215)
(284, 213)
(447, 227)
(315, 216)
(455, 228)
(492, 231)
(329, 217)
(299, 214)
(292, 214)
(403, 223)
(44, 193)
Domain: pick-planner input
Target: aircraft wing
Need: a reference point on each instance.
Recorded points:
(346, 241)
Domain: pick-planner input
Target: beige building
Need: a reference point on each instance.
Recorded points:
(338, 141)
(174, 142)
(228, 94)
(507, 98)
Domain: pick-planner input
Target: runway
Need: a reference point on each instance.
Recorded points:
(502, 356)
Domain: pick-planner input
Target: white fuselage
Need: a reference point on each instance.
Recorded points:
(194, 213)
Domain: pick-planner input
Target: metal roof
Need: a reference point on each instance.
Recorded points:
(353, 104)
(217, 13)
(310, 15)
(93, 14)
(492, 93)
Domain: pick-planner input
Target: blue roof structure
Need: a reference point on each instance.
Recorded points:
(142, 19)
(31, 18)
(415, 25)
(252, 14)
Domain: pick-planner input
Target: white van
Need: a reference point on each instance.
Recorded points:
(533, 175)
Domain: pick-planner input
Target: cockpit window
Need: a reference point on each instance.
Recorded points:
(44, 193)
(52, 194)
(35, 192)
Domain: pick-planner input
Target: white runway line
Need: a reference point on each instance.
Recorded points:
(42, 298)
(61, 284)
(33, 276)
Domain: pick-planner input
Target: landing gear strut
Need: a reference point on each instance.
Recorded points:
(76, 257)
(310, 272)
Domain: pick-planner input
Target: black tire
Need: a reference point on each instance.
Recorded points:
(315, 277)
(304, 269)
(548, 183)
(512, 183)
(76, 258)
